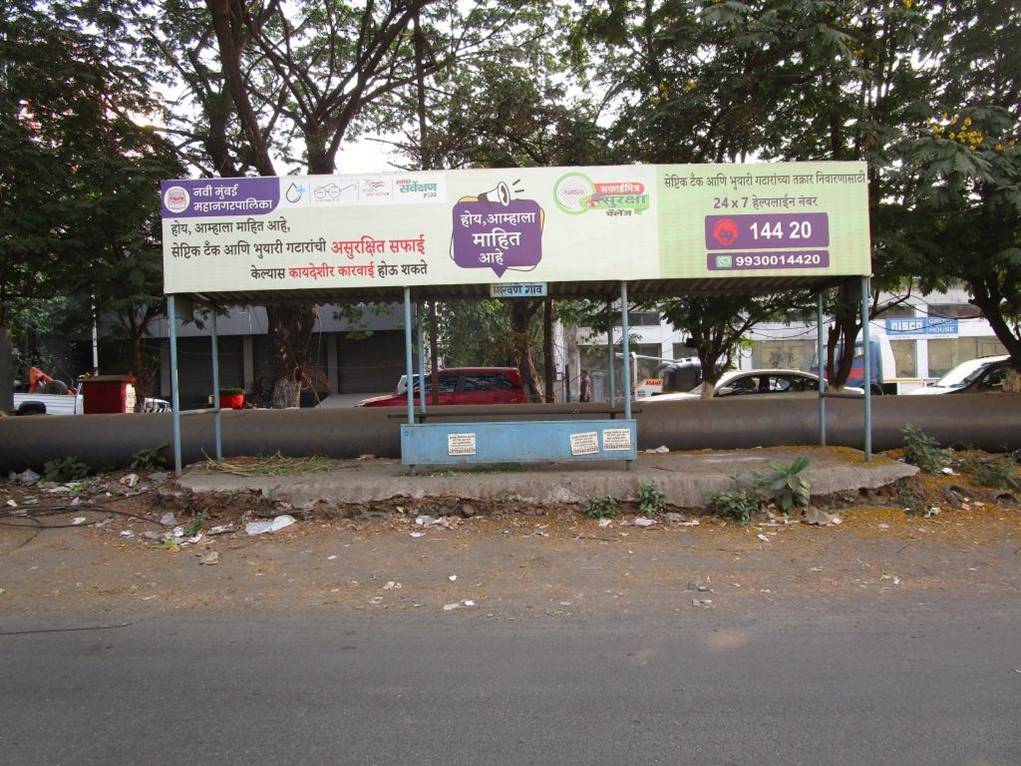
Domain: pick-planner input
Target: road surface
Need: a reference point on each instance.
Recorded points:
(909, 678)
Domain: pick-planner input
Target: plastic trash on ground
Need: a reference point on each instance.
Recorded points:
(262, 527)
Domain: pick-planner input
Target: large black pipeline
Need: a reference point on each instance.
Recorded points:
(988, 421)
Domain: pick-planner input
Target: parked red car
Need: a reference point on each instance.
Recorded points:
(465, 385)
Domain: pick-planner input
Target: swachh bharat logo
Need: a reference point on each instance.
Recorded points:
(576, 193)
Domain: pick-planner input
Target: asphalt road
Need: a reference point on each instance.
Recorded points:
(896, 681)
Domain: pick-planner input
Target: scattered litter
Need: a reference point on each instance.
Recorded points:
(366, 456)
(154, 536)
(376, 600)
(565, 603)
(452, 578)
(674, 518)
(392, 585)
(604, 523)
(418, 534)
(178, 531)
(168, 520)
(701, 602)
(948, 470)
(210, 559)
(468, 602)
(148, 598)
(2, 591)
(261, 527)
(129, 480)
(884, 526)
(194, 538)
(451, 607)
(700, 586)
(127, 533)
(815, 569)
(12, 504)
(59, 490)
(820, 518)
(891, 578)
(158, 477)
(933, 510)
(28, 476)
(762, 537)
(690, 523)
(660, 450)
(332, 558)
(220, 529)
(641, 521)
(78, 520)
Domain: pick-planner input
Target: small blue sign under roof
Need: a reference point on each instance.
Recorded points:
(519, 290)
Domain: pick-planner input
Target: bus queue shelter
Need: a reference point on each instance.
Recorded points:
(607, 233)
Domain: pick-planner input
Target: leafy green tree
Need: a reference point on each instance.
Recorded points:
(78, 173)
(967, 164)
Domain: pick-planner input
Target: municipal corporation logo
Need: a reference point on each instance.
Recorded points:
(176, 199)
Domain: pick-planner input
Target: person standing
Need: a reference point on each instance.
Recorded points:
(585, 387)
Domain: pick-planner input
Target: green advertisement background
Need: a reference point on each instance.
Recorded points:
(682, 212)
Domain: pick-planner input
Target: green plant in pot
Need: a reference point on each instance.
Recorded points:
(232, 398)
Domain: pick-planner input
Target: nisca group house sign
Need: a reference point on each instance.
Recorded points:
(515, 225)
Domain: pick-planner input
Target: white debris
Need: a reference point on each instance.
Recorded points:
(167, 519)
(641, 521)
(332, 558)
(178, 531)
(604, 523)
(418, 534)
(28, 476)
(127, 533)
(701, 602)
(129, 480)
(451, 607)
(691, 523)
(660, 450)
(891, 578)
(948, 471)
(77, 520)
(468, 602)
(261, 527)
(220, 529)
(452, 578)
(392, 585)
(210, 559)
(762, 537)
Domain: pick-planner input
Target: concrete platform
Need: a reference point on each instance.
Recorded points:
(685, 477)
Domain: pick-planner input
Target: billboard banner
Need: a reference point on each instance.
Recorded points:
(617, 222)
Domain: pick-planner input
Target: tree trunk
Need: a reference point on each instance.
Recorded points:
(1012, 383)
(290, 330)
(522, 312)
(547, 347)
(844, 332)
(6, 371)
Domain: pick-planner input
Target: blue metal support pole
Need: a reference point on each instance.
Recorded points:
(820, 353)
(866, 294)
(421, 358)
(175, 401)
(626, 349)
(408, 356)
(217, 422)
(609, 351)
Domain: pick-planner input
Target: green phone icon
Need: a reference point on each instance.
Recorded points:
(724, 262)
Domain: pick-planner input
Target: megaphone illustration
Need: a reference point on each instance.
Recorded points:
(499, 193)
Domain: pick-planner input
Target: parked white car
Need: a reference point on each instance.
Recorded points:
(983, 374)
(773, 383)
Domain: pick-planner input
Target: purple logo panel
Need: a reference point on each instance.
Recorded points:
(207, 197)
(497, 236)
(793, 259)
(752, 232)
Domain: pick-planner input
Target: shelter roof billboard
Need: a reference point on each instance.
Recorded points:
(460, 227)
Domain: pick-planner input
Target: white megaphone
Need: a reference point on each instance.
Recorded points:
(499, 193)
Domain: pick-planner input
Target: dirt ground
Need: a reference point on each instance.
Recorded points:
(506, 565)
